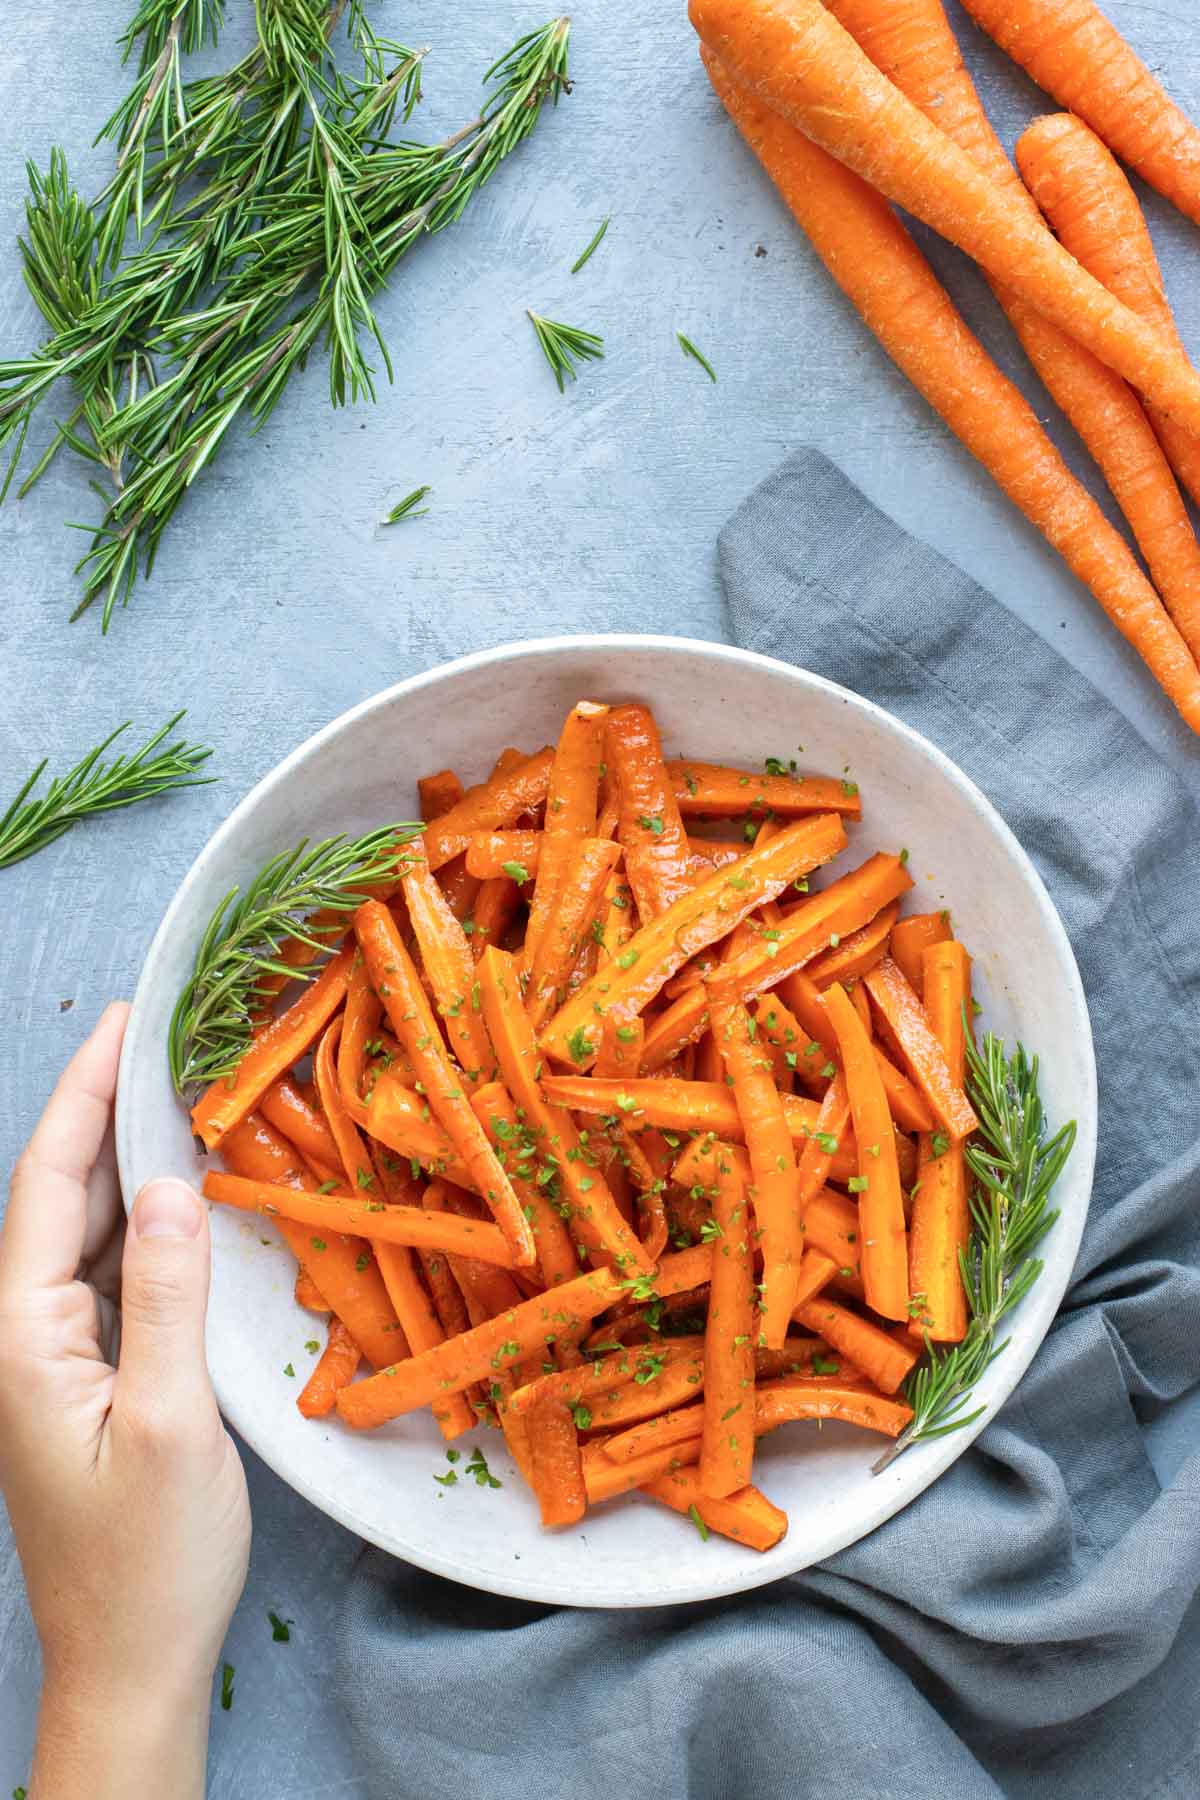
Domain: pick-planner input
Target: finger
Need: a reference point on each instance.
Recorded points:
(46, 1223)
(105, 1214)
(162, 1377)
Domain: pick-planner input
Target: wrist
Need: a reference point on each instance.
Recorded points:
(111, 1734)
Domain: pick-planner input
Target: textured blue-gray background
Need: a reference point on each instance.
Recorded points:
(278, 601)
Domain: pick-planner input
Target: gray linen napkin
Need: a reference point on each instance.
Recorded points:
(1030, 1625)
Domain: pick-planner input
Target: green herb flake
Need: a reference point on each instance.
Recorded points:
(694, 1510)
(280, 1628)
(689, 349)
(228, 1673)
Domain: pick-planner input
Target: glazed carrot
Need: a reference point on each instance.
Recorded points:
(882, 1358)
(602, 1376)
(1112, 240)
(776, 1178)
(517, 1152)
(584, 867)
(285, 1107)
(438, 793)
(606, 1480)
(446, 959)
(618, 921)
(1063, 164)
(880, 1201)
(595, 1220)
(496, 803)
(681, 1429)
(727, 1447)
(662, 945)
(353, 1158)
(399, 986)
(383, 1224)
(1076, 54)
(398, 1117)
(797, 58)
(852, 956)
(649, 825)
(941, 1213)
(796, 1397)
(571, 807)
(711, 791)
(422, 1327)
(491, 854)
(825, 1141)
(308, 1294)
(925, 1057)
(879, 267)
(658, 1384)
(496, 907)
(341, 1268)
(479, 1353)
(556, 1465)
(620, 1050)
(274, 1049)
(857, 996)
(747, 1516)
(337, 1367)
(358, 1026)
(845, 905)
(910, 938)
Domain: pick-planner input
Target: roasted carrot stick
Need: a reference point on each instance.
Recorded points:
(274, 1049)
(571, 806)
(556, 1466)
(660, 1383)
(337, 1367)
(852, 956)
(879, 267)
(383, 1224)
(657, 857)
(357, 1028)
(584, 866)
(1076, 54)
(1113, 241)
(399, 986)
(445, 953)
(880, 1200)
(501, 1343)
(398, 1117)
(844, 906)
(438, 793)
(422, 1327)
(925, 1057)
(514, 853)
(595, 1220)
(604, 1377)
(286, 1108)
(353, 1158)
(516, 1149)
(308, 1294)
(910, 938)
(494, 804)
(798, 59)
(606, 1480)
(748, 1516)
(941, 1213)
(711, 791)
(776, 1178)
(825, 1141)
(699, 918)
(620, 1050)
(341, 1268)
(496, 907)
(680, 1429)
(727, 1449)
(882, 1358)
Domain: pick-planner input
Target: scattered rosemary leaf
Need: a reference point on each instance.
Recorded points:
(562, 345)
(410, 507)
(594, 245)
(689, 349)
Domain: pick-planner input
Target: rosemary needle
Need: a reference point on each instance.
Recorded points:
(1015, 1170)
(563, 344)
(576, 266)
(689, 349)
(409, 507)
(94, 786)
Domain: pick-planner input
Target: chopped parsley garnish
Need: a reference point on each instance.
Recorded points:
(858, 1184)
(312, 1346)
(698, 1522)
(652, 822)
(449, 1479)
(649, 1367)
(227, 1677)
(288, 1370)
(821, 1367)
(517, 870)
(939, 1143)
(827, 1142)
(627, 959)
(579, 1045)
(280, 1634)
(477, 1466)
(581, 1415)
(710, 1231)
(327, 1187)
(850, 789)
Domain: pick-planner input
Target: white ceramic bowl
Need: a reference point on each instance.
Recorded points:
(724, 705)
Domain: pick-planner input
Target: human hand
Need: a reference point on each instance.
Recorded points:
(126, 1494)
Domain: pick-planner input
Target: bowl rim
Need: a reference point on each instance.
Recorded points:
(923, 1464)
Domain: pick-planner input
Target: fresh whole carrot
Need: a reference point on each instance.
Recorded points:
(494, 804)
(275, 1048)
(941, 1212)
(880, 1200)
(336, 1368)
(727, 1447)
(398, 985)
(776, 1178)
(571, 809)
(879, 267)
(1076, 54)
(798, 59)
(910, 938)
(657, 857)
(711, 791)
(446, 958)
(585, 865)
(882, 1358)
(925, 1057)
(747, 1517)
(697, 919)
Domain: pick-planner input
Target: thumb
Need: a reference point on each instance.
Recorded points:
(164, 1296)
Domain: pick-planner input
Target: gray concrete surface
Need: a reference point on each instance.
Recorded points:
(278, 601)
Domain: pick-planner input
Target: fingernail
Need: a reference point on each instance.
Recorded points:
(167, 1209)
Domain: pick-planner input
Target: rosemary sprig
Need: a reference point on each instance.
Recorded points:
(563, 344)
(689, 349)
(94, 786)
(594, 245)
(243, 942)
(410, 507)
(1015, 1170)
